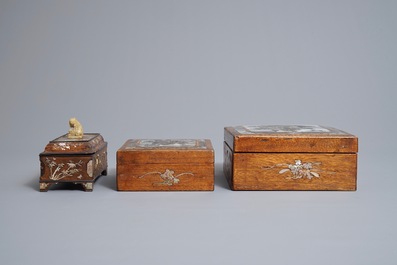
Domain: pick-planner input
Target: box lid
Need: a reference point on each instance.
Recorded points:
(88, 144)
(290, 139)
(170, 151)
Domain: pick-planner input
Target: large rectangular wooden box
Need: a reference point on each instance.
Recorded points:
(165, 165)
(79, 161)
(290, 157)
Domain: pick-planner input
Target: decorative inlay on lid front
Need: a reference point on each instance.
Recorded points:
(286, 129)
(166, 144)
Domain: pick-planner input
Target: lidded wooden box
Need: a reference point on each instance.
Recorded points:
(80, 159)
(290, 157)
(165, 165)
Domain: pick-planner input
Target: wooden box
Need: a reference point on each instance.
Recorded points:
(165, 165)
(79, 161)
(293, 157)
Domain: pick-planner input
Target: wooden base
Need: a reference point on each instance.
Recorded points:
(87, 185)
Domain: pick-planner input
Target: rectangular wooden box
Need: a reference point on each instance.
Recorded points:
(290, 157)
(165, 165)
(79, 161)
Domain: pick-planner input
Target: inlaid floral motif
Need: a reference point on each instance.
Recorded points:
(299, 170)
(168, 177)
(63, 170)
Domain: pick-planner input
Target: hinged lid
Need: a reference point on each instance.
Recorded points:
(88, 144)
(170, 151)
(290, 139)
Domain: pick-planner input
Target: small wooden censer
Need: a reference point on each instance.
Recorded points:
(75, 157)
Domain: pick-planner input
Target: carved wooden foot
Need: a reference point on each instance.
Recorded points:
(88, 186)
(44, 186)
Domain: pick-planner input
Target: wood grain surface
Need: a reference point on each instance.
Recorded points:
(288, 143)
(148, 177)
(165, 156)
(271, 171)
(165, 169)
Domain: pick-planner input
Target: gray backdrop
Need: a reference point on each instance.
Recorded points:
(186, 69)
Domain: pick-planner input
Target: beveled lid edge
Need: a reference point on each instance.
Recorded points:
(74, 147)
(281, 143)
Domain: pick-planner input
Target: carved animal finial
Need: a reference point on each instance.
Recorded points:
(76, 130)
